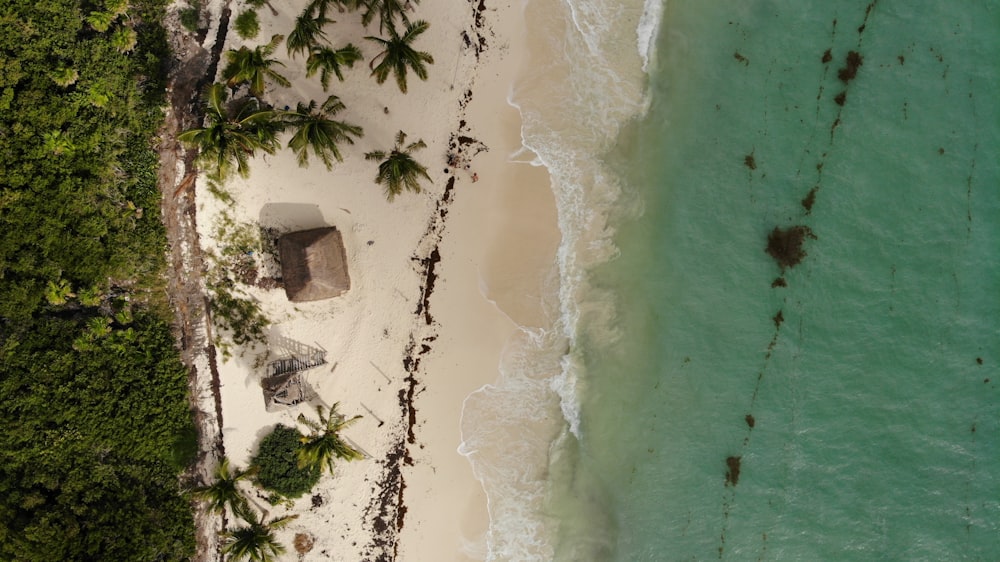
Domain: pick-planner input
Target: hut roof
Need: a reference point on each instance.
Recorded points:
(313, 264)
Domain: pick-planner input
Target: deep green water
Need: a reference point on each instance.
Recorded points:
(857, 391)
(871, 377)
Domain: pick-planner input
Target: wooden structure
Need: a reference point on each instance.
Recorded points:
(313, 264)
(283, 384)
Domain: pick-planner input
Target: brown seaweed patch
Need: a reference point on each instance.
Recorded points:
(733, 470)
(785, 244)
(778, 319)
(979, 360)
(750, 162)
(779, 282)
(810, 199)
(850, 70)
(751, 422)
(741, 59)
(840, 99)
(901, 59)
(827, 56)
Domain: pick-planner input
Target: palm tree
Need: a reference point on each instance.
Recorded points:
(233, 134)
(254, 66)
(308, 31)
(398, 55)
(64, 75)
(318, 130)
(326, 61)
(124, 39)
(324, 443)
(224, 492)
(101, 21)
(255, 540)
(386, 10)
(397, 169)
(321, 6)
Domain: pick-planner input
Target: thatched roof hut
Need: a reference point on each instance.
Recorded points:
(313, 264)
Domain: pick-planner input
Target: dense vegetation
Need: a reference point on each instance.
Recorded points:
(95, 412)
(92, 442)
(277, 463)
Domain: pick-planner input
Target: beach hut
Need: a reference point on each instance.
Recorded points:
(313, 264)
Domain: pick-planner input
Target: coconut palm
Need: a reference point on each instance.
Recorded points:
(254, 67)
(101, 21)
(233, 134)
(224, 492)
(398, 55)
(124, 39)
(64, 75)
(255, 540)
(308, 31)
(320, 7)
(324, 444)
(386, 10)
(328, 61)
(315, 128)
(397, 169)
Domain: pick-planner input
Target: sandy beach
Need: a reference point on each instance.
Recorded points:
(440, 281)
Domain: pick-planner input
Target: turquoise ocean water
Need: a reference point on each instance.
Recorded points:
(696, 401)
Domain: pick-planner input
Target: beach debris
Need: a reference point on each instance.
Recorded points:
(304, 541)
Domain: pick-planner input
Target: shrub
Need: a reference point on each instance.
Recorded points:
(190, 16)
(247, 25)
(278, 464)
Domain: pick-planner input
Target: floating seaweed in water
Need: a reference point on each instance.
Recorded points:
(785, 244)
(850, 70)
(733, 472)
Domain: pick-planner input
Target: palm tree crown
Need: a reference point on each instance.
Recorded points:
(308, 31)
(233, 134)
(254, 67)
(255, 541)
(322, 6)
(325, 60)
(324, 444)
(398, 55)
(316, 129)
(386, 10)
(397, 169)
(224, 492)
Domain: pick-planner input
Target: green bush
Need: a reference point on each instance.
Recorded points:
(247, 25)
(278, 464)
(190, 16)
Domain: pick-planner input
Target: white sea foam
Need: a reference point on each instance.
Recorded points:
(573, 107)
(648, 31)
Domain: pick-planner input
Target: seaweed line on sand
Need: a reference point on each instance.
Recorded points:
(385, 514)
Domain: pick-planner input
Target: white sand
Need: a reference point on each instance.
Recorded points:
(496, 241)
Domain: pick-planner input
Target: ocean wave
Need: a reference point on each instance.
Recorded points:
(589, 83)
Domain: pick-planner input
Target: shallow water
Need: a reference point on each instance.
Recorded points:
(712, 404)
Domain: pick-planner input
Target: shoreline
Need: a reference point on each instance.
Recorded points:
(424, 300)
